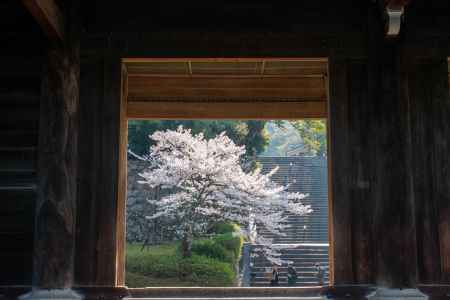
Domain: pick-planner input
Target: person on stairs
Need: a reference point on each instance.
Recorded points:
(320, 273)
(291, 275)
(274, 281)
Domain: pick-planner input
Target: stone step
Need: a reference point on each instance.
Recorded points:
(311, 273)
(278, 240)
(262, 267)
(301, 257)
(302, 248)
(283, 275)
(263, 262)
(305, 265)
(298, 229)
(298, 284)
(301, 253)
(293, 254)
(267, 264)
(298, 236)
(312, 231)
(299, 225)
(284, 279)
(313, 235)
(299, 265)
(296, 241)
(226, 298)
(264, 291)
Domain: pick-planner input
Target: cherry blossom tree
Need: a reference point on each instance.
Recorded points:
(208, 185)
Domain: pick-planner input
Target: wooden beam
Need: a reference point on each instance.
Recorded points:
(144, 88)
(226, 110)
(48, 16)
(221, 59)
(396, 4)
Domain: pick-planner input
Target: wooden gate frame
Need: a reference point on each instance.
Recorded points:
(206, 110)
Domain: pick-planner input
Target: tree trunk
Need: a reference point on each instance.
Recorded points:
(186, 243)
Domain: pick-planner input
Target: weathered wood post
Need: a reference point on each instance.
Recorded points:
(55, 218)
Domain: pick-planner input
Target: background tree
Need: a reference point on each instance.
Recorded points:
(313, 134)
(283, 138)
(251, 134)
(208, 185)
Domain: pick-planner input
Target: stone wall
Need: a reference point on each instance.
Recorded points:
(137, 205)
(140, 229)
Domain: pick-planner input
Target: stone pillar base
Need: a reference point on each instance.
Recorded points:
(56, 294)
(402, 294)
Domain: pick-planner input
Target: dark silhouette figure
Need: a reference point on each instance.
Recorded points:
(320, 273)
(274, 281)
(291, 275)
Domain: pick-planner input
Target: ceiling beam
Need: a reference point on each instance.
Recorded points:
(393, 4)
(275, 110)
(48, 16)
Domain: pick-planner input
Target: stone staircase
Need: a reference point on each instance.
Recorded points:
(307, 236)
(303, 256)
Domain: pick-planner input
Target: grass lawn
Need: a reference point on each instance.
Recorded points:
(212, 263)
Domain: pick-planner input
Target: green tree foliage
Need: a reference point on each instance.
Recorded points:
(283, 138)
(313, 134)
(252, 134)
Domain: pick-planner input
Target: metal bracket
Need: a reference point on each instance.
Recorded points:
(394, 21)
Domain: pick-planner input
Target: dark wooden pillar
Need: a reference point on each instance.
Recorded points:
(352, 131)
(394, 206)
(430, 132)
(56, 206)
(100, 231)
(57, 163)
(393, 230)
(340, 205)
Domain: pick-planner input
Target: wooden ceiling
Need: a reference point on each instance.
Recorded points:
(227, 67)
(200, 86)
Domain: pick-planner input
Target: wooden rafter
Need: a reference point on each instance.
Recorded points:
(49, 17)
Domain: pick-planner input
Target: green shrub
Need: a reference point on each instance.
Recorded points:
(212, 263)
(137, 280)
(160, 261)
(207, 271)
(223, 227)
(230, 242)
(210, 248)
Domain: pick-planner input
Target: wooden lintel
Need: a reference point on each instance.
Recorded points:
(226, 110)
(48, 16)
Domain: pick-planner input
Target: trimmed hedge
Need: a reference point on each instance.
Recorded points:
(222, 227)
(231, 242)
(213, 262)
(207, 271)
(210, 248)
